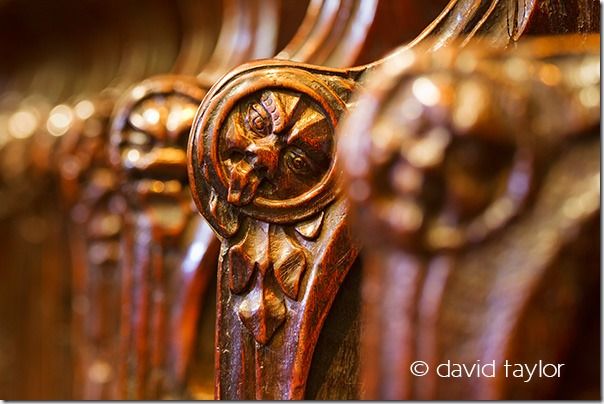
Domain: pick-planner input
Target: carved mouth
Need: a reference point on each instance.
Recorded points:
(161, 173)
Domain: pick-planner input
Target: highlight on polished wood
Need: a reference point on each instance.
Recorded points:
(286, 200)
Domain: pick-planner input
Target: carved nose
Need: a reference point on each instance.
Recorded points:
(243, 184)
(264, 155)
(261, 161)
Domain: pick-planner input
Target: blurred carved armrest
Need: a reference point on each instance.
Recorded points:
(169, 254)
(474, 177)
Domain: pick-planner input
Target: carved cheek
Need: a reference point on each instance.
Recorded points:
(235, 139)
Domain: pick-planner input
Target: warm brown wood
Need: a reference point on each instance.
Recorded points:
(94, 211)
(264, 179)
(289, 290)
(315, 47)
(333, 33)
(474, 185)
(50, 55)
(93, 204)
(243, 138)
(169, 253)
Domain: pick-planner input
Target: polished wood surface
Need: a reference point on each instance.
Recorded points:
(184, 218)
(249, 127)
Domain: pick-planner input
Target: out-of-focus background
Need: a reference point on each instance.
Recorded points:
(63, 65)
(55, 54)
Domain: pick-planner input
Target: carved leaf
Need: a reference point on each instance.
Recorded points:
(289, 265)
(241, 267)
(310, 229)
(225, 217)
(247, 255)
(262, 312)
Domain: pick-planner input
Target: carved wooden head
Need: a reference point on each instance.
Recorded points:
(432, 168)
(149, 135)
(276, 146)
(264, 147)
(263, 172)
(462, 175)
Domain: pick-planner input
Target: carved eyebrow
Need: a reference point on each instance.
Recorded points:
(253, 108)
(273, 106)
(311, 128)
(281, 107)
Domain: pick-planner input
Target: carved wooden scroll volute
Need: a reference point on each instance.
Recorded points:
(474, 181)
(169, 251)
(262, 168)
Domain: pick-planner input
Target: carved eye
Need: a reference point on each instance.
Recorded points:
(298, 162)
(236, 155)
(258, 119)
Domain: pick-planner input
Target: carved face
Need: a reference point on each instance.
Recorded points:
(431, 185)
(152, 143)
(276, 146)
(263, 147)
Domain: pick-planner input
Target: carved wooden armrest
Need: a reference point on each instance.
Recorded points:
(169, 251)
(158, 112)
(94, 210)
(264, 175)
(262, 155)
(474, 182)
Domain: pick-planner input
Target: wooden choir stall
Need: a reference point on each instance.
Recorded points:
(288, 200)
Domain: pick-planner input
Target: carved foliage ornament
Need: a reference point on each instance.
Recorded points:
(262, 164)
